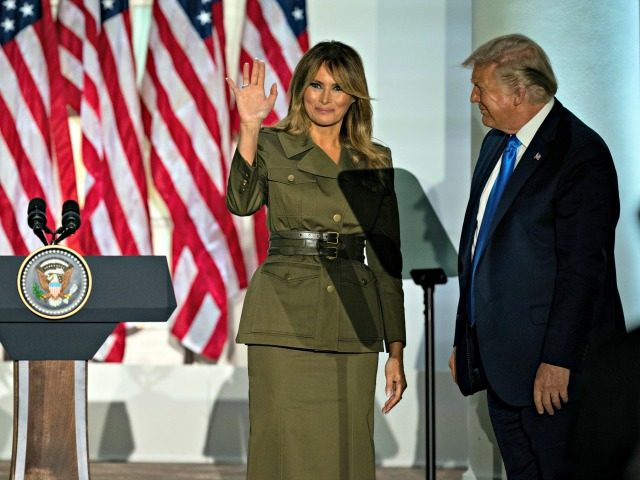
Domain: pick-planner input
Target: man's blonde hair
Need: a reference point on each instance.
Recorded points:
(520, 62)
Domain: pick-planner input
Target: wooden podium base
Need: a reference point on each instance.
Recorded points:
(50, 420)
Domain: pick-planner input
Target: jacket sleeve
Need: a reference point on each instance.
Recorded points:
(247, 186)
(587, 209)
(385, 260)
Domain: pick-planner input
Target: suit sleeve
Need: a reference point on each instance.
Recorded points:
(587, 210)
(385, 260)
(247, 185)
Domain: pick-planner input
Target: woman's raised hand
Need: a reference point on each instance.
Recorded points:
(253, 105)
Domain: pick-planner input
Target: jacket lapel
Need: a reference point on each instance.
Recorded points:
(533, 157)
(489, 155)
(487, 159)
(311, 159)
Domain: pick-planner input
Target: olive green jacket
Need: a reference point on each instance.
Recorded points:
(311, 302)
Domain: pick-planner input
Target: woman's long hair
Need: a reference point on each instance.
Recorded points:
(345, 65)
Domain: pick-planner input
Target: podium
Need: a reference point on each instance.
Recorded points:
(50, 358)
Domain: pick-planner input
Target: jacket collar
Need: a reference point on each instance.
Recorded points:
(294, 145)
(311, 158)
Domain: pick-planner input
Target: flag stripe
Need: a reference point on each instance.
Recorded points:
(274, 30)
(11, 189)
(270, 45)
(195, 94)
(64, 167)
(193, 56)
(186, 119)
(187, 239)
(190, 178)
(35, 146)
(115, 208)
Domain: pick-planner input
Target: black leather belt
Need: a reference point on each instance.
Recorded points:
(323, 244)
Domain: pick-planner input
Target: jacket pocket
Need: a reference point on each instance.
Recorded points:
(282, 299)
(289, 189)
(362, 312)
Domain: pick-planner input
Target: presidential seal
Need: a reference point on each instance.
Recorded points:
(54, 282)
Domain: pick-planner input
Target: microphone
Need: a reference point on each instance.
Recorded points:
(70, 220)
(37, 218)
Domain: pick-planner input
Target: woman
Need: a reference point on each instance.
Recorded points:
(315, 316)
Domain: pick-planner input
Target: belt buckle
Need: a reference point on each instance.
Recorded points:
(332, 244)
(332, 234)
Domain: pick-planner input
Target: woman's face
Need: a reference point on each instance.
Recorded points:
(325, 102)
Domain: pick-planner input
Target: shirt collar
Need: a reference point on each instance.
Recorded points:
(529, 130)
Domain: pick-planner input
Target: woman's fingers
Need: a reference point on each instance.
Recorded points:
(255, 72)
(261, 72)
(394, 394)
(245, 74)
(273, 94)
(253, 103)
(232, 85)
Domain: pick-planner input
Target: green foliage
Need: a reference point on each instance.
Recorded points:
(37, 291)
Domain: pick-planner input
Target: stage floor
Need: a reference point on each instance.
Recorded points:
(162, 471)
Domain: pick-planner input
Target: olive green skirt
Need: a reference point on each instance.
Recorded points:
(311, 414)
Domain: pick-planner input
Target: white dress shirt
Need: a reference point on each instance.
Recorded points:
(525, 135)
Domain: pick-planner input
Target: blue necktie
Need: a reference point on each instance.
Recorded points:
(506, 169)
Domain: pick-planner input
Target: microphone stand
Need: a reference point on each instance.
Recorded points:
(428, 278)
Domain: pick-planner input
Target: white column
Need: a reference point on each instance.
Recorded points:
(594, 50)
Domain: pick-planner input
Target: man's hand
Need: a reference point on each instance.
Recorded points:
(550, 388)
(452, 365)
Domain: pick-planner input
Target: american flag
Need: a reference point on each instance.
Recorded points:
(274, 31)
(35, 148)
(186, 118)
(98, 65)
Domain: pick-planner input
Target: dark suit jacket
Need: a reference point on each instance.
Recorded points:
(605, 442)
(546, 283)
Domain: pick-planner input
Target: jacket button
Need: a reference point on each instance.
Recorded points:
(363, 281)
(243, 183)
(288, 276)
(337, 217)
(291, 178)
(331, 288)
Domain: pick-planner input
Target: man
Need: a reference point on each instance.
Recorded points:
(537, 271)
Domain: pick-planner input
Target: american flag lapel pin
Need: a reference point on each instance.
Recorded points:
(537, 156)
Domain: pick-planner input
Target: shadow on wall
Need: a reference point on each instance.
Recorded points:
(450, 423)
(386, 444)
(228, 431)
(116, 439)
(425, 243)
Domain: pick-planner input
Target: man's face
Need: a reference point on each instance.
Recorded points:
(495, 100)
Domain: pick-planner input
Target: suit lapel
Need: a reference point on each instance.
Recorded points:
(533, 157)
(489, 155)
(487, 159)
